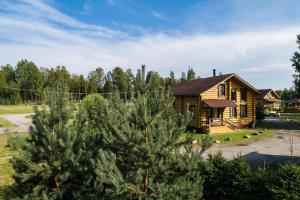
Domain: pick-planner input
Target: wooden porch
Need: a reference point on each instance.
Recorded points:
(220, 125)
(214, 121)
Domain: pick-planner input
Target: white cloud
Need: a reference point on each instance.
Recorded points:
(160, 15)
(41, 12)
(255, 55)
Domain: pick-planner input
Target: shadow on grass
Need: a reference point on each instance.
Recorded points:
(256, 159)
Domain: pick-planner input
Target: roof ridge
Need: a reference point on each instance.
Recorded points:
(218, 76)
(266, 89)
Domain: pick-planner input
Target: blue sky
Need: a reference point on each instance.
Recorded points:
(253, 38)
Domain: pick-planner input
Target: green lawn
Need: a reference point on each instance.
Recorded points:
(290, 114)
(237, 137)
(6, 170)
(16, 109)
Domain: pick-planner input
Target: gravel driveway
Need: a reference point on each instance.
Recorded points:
(273, 149)
(21, 122)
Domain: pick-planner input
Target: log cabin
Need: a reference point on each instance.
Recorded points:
(219, 104)
(268, 100)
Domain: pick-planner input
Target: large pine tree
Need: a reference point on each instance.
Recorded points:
(145, 137)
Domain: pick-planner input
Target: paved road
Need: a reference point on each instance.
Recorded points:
(20, 121)
(269, 150)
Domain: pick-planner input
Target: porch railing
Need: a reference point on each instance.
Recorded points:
(221, 122)
(216, 122)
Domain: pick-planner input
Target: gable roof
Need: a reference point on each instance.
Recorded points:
(199, 86)
(264, 93)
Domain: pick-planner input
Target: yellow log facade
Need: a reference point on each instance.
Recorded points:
(203, 114)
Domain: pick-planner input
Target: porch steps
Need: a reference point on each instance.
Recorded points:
(219, 129)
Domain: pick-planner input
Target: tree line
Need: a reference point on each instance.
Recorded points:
(27, 82)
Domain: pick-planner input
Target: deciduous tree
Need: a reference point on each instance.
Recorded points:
(29, 79)
(296, 65)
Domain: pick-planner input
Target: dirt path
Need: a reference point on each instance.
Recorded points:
(269, 150)
(21, 122)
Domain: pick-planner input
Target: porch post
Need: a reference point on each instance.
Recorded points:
(199, 121)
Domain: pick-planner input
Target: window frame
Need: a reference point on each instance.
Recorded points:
(233, 112)
(244, 94)
(221, 90)
(246, 111)
(235, 90)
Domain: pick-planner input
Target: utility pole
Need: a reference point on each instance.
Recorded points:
(85, 87)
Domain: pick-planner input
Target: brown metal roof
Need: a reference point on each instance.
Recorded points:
(198, 86)
(219, 103)
(264, 92)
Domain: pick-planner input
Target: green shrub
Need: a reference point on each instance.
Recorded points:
(258, 181)
(227, 179)
(285, 182)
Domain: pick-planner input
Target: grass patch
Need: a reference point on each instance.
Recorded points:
(290, 114)
(16, 109)
(6, 169)
(240, 137)
(237, 137)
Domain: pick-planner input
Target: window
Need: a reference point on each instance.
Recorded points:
(243, 94)
(233, 94)
(243, 110)
(221, 90)
(233, 112)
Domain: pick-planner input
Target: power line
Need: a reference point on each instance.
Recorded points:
(73, 93)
